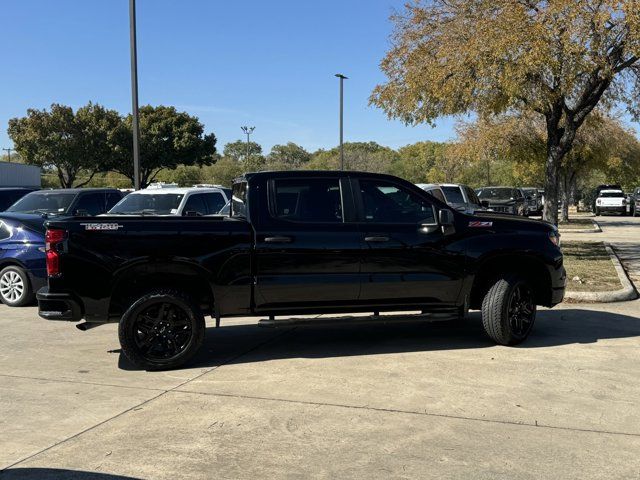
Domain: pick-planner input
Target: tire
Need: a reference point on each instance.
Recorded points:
(597, 212)
(15, 288)
(162, 330)
(509, 310)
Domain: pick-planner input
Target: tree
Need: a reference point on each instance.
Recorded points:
(361, 156)
(287, 157)
(168, 138)
(67, 142)
(556, 58)
(249, 156)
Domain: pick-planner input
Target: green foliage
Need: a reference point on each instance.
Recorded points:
(287, 157)
(67, 142)
(168, 138)
(360, 156)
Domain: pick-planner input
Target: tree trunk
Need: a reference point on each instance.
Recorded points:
(550, 212)
(564, 216)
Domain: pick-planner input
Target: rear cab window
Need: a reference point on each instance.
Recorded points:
(307, 200)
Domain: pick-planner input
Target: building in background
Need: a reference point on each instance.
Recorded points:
(19, 175)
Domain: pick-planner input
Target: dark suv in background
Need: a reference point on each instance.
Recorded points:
(504, 199)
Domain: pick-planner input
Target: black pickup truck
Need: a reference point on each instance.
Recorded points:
(298, 243)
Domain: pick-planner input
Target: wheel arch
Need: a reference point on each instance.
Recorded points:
(134, 281)
(530, 267)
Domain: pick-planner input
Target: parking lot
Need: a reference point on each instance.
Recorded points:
(384, 401)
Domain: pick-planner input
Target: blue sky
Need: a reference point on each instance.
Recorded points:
(270, 64)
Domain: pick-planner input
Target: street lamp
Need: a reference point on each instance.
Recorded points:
(248, 131)
(134, 94)
(342, 79)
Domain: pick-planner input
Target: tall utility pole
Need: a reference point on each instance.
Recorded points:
(342, 79)
(9, 150)
(134, 95)
(248, 131)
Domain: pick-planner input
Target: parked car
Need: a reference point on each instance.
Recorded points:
(196, 201)
(10, 195)
(460, 197)
(22, 259)
(614, 200)
(22, 236)
(303, 242)
(635, 202)
(533, 200)
(434, 190)
(67, 201)
(503, 199)
(599, 189)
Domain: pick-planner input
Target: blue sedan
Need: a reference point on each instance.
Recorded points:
(22, 261)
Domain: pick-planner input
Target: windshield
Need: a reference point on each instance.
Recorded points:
(498, 193)
(43, 202)
(530, 191)
(453, 194)
(612, 194)
(154, 204)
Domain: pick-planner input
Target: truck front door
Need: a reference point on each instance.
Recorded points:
(407, 260)
(307, 252)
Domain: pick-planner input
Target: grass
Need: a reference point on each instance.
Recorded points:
(590, 262)
(576, 224)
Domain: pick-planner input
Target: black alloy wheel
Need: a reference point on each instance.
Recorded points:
(161, 330)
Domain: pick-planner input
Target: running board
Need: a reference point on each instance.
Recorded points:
(272, 322)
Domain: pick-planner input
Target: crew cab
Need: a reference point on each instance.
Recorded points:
(302, 242)
(613, 200)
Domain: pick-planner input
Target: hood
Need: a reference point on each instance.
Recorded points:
(511, 221)
(495, 201)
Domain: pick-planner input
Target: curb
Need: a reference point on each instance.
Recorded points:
(596, 229)
(627, 292)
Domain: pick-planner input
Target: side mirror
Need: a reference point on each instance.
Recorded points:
(445, 217)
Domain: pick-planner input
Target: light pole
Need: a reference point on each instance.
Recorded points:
(248, 131)
(9, 150)
(134, 95)
(342, 79)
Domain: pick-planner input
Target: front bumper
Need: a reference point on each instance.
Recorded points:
(559, 282)
(58, 306)
(618, 208)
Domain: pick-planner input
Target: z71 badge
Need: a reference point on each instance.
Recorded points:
(480, 224)
(101, 226)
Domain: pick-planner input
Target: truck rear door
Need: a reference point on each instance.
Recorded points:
(307, 251)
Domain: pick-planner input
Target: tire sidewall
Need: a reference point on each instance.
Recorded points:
(126, 330)
(26, 294)
(513, 337)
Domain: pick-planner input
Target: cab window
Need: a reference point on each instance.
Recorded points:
(90, 204)
(384, 202)
(314, 200)
(215, 202)
(195, 205)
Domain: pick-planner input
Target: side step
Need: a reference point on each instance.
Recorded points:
(272, 322)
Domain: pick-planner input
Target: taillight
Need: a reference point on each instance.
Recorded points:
(53, 238)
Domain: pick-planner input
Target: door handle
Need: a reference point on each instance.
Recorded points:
(376, 239)
(278, 239)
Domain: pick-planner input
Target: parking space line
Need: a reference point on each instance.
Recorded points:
(407, 412)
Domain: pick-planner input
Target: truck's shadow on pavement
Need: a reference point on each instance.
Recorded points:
(250, 343)
(58, 474)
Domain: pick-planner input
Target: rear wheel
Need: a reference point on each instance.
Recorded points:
(597, 212)
(162, 330)
(509, 310)
(15, 289)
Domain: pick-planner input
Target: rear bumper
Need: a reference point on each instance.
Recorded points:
(58, 306)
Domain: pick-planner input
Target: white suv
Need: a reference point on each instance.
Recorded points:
(611, 201)
(172, 201)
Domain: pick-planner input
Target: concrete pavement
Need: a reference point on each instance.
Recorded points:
(401, 401)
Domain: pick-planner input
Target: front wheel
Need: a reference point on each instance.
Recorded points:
(15, 289)
(509, 310)
(162, 330)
